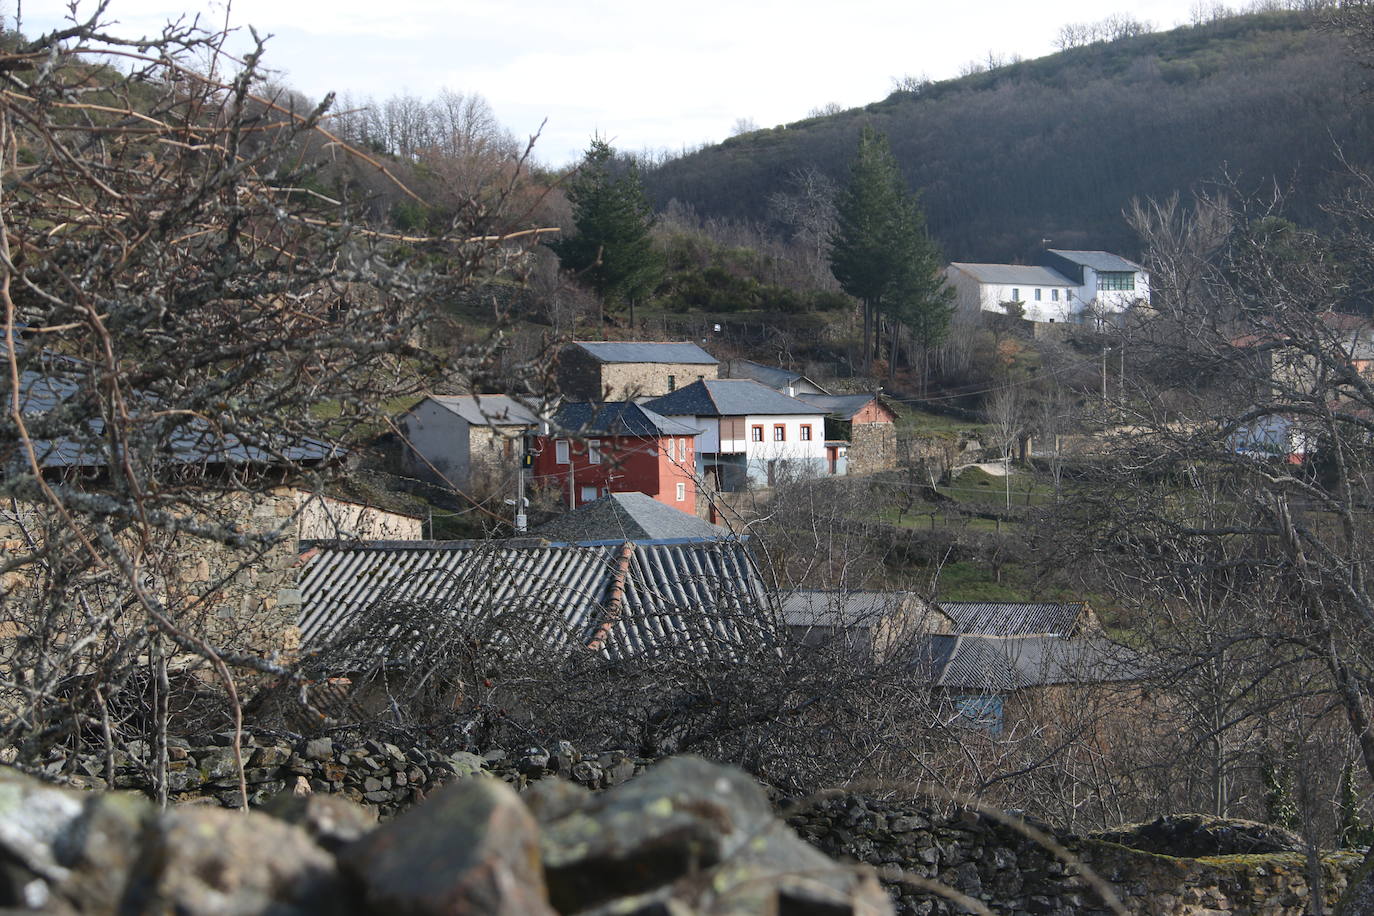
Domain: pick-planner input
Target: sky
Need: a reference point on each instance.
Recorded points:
(645, 75)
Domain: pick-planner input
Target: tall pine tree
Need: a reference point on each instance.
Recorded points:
(882, 255)
(612, 249)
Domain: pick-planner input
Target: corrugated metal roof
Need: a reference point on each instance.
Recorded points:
(487, 409)
(1009, 618)
(628, 515)
(637, 351)
(689, 595)
(1097, 260)
(618, 418)
(1014, 274)
(729, 398)
(981, 664)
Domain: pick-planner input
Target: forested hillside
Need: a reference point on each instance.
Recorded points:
(1056, 147)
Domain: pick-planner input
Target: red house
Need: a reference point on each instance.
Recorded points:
(618, 447)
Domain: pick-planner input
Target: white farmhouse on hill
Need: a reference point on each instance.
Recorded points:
(1066, 287)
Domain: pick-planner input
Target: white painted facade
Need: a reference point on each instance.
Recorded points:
(1045, 294)
(765, 443)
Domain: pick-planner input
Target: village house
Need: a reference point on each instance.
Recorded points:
(750, 434)
(465, 441)
(1002, 683)
(860, 432)
(614, 370)
(870, 624)
(618, 447)
(792, 384)
(1066, 287)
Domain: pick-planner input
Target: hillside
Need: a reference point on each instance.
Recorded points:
(1055, 148)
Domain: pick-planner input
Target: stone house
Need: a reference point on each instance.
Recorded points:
(616, 370)
(860, 432)
(465, 441)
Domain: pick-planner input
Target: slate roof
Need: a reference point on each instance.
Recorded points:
(636, 351)
(632, 516)
(826, 607)
(1097, 260)
(618, 418)
(1007, 618)
(772, 376)
(487, 409)
(729, 398)
(699, 597)
(843, 406)
(184, 442)
(983, 664)
(1014, 274)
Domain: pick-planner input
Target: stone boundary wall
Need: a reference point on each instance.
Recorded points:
(968, 851)
(994, 863)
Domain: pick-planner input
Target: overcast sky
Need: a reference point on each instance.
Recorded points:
(645, 74)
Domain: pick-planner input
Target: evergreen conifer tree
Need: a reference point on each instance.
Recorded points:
(612, 249)
(881, 253)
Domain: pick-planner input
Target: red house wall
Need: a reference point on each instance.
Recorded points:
(629, 464)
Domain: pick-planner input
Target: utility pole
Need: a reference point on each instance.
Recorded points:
(525, 458)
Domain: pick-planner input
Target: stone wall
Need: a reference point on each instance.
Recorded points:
(971, 852)
(625, 380)
(992, 862)
(872, 448)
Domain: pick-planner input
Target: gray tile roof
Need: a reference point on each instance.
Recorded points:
(826, 607)
(618, 418)
(843, 406)
(1014, 274)
(636, 351)
(982, 664)
(632, 516)
(49, 381)
(772, 376)
(699, 597)
(1009, 618)
(729, 398)
(1097, 260)
(487, 409)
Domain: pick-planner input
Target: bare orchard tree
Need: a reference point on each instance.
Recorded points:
(1232, 509)
(192, 321)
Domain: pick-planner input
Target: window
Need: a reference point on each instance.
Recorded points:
(508, 446)
(806, 432)
(1015, 294)
(560, 451)
(980, 712)
(779, 433)
(588, 494)
(756, 433)
(1037, 294)
(681, 450)
(682, 492)
(593, 451)
(1054, 295)
(1116, 280)
(672, 383)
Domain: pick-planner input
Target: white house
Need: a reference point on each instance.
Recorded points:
(1105, 283)
(1067, 286)
(749, 431)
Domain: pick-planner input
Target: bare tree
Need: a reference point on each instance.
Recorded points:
(191, 322)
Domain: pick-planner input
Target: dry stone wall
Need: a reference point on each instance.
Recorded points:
(973, 853)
